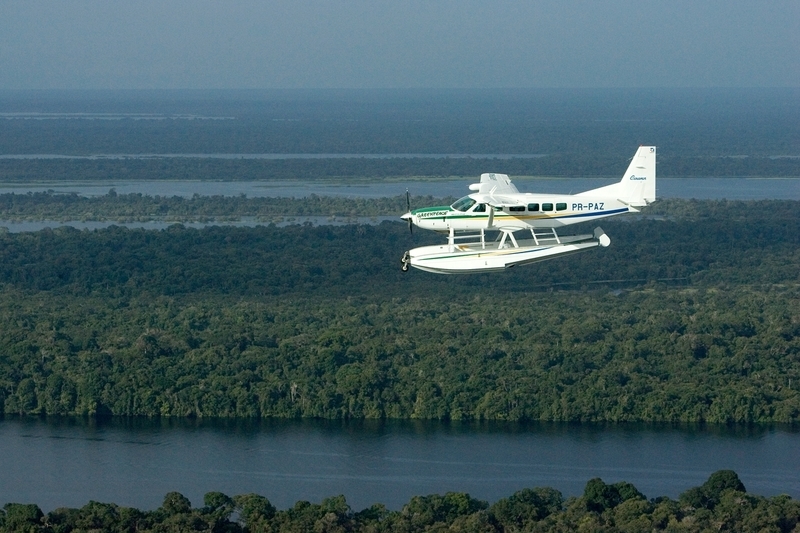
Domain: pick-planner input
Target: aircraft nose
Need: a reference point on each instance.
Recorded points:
(407, 216)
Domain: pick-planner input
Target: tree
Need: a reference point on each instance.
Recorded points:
(527, 505)
(22, 517)
(707, 496)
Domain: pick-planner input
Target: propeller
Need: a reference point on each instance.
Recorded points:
(408, 205)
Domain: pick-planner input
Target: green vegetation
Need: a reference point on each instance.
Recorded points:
(689, 316)
(568, 357)
(720, 504)
(138, 207)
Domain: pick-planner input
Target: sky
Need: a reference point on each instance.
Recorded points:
(288, 44)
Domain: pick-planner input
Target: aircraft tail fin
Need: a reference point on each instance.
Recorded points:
(638, 185)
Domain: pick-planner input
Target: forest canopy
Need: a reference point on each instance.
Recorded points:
(722, 503)
(691, 315)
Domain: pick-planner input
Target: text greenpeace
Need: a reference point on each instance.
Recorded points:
(431, 214)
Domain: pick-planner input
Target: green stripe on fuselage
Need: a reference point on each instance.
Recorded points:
(484, 216)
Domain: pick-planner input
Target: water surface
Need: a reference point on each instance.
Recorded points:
(136, 462)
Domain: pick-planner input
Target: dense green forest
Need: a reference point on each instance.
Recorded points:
(138, 207)
(693, 315)
(720, 504)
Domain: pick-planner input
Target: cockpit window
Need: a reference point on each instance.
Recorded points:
(480, 208)
(463, 204)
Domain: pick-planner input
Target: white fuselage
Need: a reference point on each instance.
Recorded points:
(497, 204)
(536, 211)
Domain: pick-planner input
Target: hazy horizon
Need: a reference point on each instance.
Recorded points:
(361, 44)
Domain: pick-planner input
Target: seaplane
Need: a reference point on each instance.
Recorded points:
(497, 208)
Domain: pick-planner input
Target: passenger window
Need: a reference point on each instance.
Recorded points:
(533, 207)
(516, 208)
(547, 207)
(561, 206)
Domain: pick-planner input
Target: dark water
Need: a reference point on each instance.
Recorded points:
(69, 462)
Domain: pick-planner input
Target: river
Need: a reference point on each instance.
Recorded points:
(67, 462)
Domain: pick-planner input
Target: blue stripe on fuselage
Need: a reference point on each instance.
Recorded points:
(596, 213)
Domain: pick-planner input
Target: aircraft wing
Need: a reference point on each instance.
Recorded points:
(494, 184)
(497, 200)
(494, 189)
